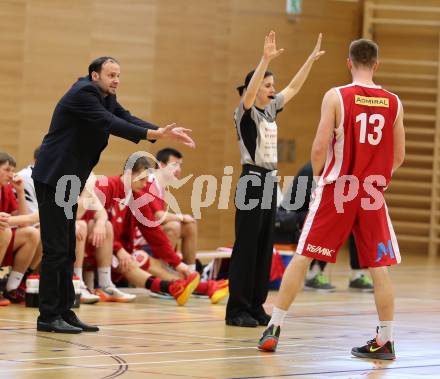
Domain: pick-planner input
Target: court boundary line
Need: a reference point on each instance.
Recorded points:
(334, 372)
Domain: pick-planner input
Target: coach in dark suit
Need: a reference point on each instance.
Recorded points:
(79, 131)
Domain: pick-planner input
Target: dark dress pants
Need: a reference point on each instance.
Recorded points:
(56, 292)
(251, 260)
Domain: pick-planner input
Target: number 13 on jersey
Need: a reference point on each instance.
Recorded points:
(376, 121)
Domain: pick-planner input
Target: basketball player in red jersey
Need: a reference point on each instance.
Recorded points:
(359, 143)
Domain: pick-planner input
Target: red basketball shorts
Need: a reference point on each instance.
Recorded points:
(8, 259)
(336, 211)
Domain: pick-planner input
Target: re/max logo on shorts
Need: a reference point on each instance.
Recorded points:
(319, 250)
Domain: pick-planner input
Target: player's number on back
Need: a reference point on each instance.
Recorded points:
(377, 121)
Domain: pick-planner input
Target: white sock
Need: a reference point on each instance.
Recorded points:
(277, 318)
(385, 332)
(315, 270)
(192, 267)
(14, 280)
(355, 274)
(78, 272)
(105, 277)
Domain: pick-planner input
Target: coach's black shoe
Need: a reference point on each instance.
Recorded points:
(243, 320)
(374, 351)
(261, 316)
(57, 326)
(72, 319)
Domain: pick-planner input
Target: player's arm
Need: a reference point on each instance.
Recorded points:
(269, 52)
(297, 82)
(24, 220)
(167, 216)
(81, 206)
(4, 224)
(124, 258)
(88, 200)
(99, 232)
(399, 141)
(18, 184)
(325, 130)
(156, 238)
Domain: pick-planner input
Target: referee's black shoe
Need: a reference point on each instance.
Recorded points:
(243, 320)
(261, 316)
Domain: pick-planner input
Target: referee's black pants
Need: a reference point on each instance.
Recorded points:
(56, 292)
(249, 270)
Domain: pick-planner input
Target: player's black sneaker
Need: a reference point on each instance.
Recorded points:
(362, 284)
(319, 283)
(269, 340)
(373, 350)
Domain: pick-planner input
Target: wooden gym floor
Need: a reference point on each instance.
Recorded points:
(154, 338)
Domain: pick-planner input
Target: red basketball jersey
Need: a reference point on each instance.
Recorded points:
(8, 202)
(363, 143)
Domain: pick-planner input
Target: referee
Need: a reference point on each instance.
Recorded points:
(254, 118)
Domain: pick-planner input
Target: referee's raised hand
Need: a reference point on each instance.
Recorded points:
(270, 50)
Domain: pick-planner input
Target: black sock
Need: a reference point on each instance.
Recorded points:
(157, 285)
(29, 271)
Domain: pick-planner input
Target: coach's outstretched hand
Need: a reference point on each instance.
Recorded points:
(177, 133)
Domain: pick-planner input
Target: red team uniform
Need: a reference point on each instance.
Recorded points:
(157, 194)
(8, 204)
(361, 148)
(124, 222)
(156, 203)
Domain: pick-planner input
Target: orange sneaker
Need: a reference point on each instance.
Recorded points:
(217, 290)
(183, 288)
(3, 302)
(114, 294)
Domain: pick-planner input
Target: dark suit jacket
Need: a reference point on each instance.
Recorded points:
(79, 131)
